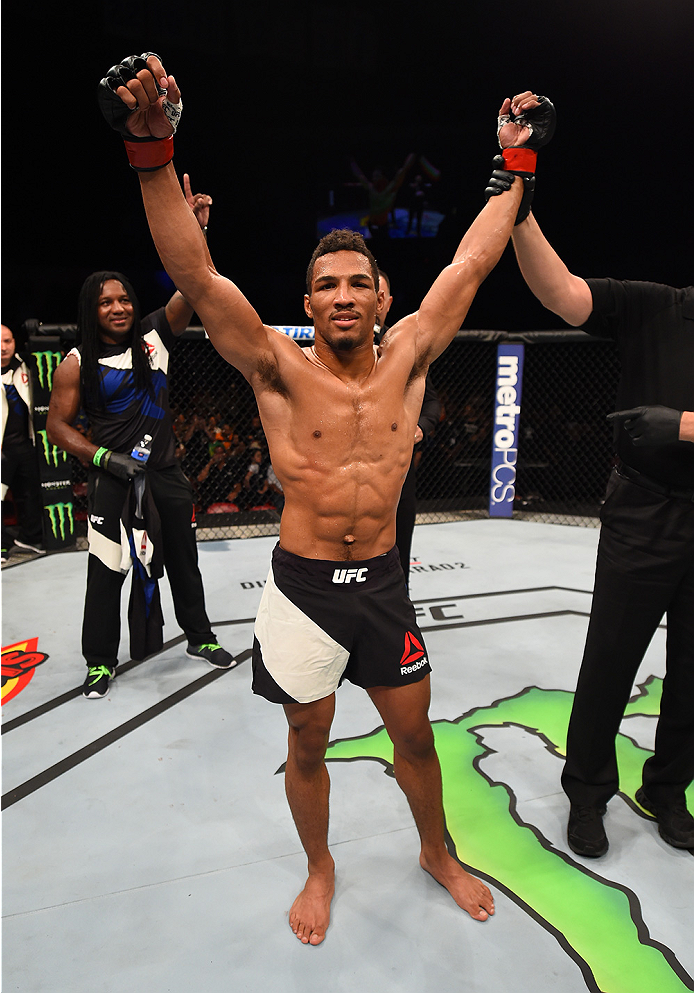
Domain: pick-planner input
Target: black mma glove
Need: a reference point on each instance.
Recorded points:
(541, 121)
(520, 160)
(118, 464)
(501, 180)
(145, 154)
(649, 425)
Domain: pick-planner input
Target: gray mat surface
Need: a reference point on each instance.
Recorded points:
(147, 844)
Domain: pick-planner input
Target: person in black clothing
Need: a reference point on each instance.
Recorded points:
(20, 468)
(428, 419)
(119, 375)
(645, 561)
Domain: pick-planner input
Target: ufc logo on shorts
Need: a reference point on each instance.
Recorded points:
(347, 575)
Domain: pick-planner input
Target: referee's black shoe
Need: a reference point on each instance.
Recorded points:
(585, 833)
(675, 823)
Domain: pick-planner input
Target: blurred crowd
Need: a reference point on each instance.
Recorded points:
(227, 464)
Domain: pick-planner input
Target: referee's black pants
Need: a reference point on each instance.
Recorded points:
(172, 496)
(645, 570)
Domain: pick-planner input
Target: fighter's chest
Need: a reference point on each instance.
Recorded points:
(370, 410)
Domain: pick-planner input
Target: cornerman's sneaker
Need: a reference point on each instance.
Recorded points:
(586, 834)
(212, 653)
(97, 682)
(675, 823)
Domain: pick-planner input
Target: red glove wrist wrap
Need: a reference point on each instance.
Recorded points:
(146, 156)
(519, 159)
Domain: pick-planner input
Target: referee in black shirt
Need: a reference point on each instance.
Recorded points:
(645, 563)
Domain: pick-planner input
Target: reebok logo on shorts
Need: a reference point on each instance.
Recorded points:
(347, 575)
(413, 657)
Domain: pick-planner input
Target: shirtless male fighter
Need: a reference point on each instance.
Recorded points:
(340, 420)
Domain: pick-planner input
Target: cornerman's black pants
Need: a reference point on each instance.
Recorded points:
(645, 570)
(105, 499)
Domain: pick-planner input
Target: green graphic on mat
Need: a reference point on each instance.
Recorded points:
(593, 917)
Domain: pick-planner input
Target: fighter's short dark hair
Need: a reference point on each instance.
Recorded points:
(341, 240)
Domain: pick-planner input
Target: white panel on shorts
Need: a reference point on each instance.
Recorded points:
(114, 556)
(302, 659)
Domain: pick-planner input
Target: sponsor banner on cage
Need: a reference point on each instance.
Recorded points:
(55, 468)
(45, 363)
(52, 455)
(507, 408)
(292, 331)
(58, 519)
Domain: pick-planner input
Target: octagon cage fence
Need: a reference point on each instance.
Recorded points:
(564, 443)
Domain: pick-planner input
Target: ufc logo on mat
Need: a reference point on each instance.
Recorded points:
(347, 575)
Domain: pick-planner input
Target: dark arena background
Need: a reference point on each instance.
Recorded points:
(147, 841)
(279, 97)
(282, 103)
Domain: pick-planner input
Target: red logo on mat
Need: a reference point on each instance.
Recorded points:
(413, 650)
(18, 664)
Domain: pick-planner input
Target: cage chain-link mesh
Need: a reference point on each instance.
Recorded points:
(564, 448)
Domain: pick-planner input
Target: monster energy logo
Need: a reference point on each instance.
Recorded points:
(51, 361)
(60, 515)
(51, 452)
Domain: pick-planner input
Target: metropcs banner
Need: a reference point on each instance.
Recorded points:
(507, 401)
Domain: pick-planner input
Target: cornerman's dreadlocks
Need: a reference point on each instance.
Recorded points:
(88, 330)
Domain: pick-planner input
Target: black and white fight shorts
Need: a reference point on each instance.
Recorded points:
(320, 622)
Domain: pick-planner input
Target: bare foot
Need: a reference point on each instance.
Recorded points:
(468, 892)
(310, 913)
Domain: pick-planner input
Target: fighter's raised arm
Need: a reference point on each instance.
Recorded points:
(525, 124)
(143, 103)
